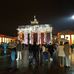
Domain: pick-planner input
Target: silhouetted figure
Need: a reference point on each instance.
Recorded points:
(5, 45)
(40, 54)
(12, 47)
(50, 49)
(45, 55)
(72, 47)
(30, 54)
(19, 49)
(61, 54)
(25, 59)
(35, 52)
(67, 53)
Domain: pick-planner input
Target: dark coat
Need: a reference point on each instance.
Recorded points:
(19, 47)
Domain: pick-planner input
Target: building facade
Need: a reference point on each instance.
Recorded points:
(39, 33)
(6, 39)
(66, 35)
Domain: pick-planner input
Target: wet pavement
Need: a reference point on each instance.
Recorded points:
(8, 67)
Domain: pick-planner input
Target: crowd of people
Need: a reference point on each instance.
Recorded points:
(31, 53)
(38, 53)
(64, 51)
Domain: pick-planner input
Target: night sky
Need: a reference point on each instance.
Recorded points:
(19, 12)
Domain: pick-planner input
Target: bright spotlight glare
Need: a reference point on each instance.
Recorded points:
(72, 17)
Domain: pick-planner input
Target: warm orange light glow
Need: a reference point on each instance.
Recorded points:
(6, 40)
(0, 39)
(62, 36)
(67, 37)
(72, 36)
(3, 39)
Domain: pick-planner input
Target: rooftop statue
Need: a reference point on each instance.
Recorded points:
(34, 21)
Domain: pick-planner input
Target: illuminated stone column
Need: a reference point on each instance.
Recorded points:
(39, 38)
(45, 37)
(51, 37)
(42, 38)
(48, 37)
(31, 37)
(25, 38)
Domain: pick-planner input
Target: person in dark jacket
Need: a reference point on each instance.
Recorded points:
(30, 54)
(19, 49)
(35, 52)
(50, 49)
